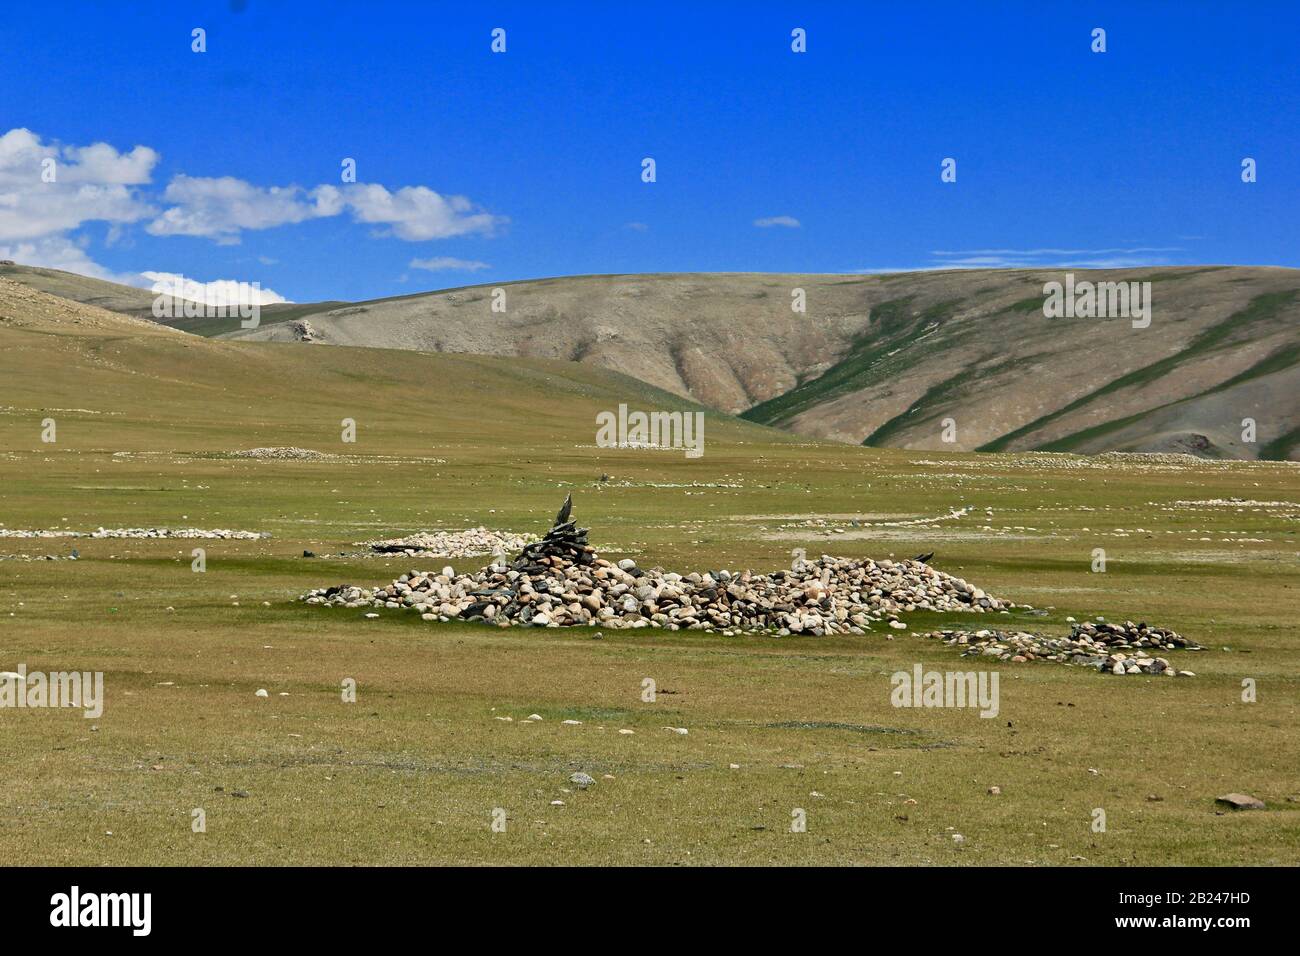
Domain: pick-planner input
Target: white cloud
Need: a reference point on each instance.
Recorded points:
(91, 184)
(788, 222)
(1052, 258)
(101, 163)
(216, 292)
(60, 252)
(99, 183)
(220, 208)
(448, 264)
(636, 226)
(417, 213)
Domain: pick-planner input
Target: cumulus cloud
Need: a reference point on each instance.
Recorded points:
(221, 208)
(417, 213)
(60, 252)
(787, 222)
(101, 163)
(89, 184)
(49, 190)
(216, 292)
(448, 264)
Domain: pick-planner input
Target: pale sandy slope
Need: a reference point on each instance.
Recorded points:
(914, 349)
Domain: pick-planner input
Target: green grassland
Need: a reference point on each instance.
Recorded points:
(412, 772)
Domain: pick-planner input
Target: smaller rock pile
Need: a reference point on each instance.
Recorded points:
(471, 543)
(282, 453)
(1129, 634)
(1086, 646)
(221, 533)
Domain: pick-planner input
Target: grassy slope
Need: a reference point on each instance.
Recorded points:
(892, 331)
(270, 315)
(1218, 336)
(412, 772)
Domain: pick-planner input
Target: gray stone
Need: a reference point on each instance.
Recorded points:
(1241, 801)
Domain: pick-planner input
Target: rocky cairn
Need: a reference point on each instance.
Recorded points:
(560, 581)
(1109, 648)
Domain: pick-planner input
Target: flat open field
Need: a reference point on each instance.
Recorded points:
(413, 771)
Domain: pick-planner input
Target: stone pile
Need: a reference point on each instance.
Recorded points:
(560, 581)
(1086, 646)
(471, 543)
(221, 533)
(282, 453)
(1129, 634)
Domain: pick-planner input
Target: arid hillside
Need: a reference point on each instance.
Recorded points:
(956, 360)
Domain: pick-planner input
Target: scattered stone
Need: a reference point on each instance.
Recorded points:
(995, 791)
(262, 692)
(582, 780)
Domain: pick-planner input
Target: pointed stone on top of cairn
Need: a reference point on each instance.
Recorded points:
(564, 545)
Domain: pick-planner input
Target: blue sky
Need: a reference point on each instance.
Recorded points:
(489, 167)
